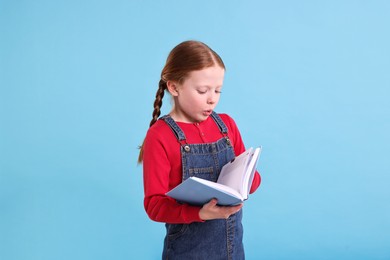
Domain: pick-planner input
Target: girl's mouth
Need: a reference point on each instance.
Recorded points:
(207, 112)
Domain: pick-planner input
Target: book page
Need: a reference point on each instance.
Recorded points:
(219, 186)
(250, 174)
(232, 174)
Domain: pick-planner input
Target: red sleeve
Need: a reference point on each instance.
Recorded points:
(159, 174)
(239, 147)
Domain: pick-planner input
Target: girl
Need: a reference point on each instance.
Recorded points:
(192, 140)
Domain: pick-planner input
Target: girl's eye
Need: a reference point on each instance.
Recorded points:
(202, 91)
(218, 91)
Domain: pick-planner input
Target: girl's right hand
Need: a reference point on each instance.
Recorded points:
(211, 210)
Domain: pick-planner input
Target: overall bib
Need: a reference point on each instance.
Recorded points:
(212, 239)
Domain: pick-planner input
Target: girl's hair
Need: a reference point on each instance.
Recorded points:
(186, 57)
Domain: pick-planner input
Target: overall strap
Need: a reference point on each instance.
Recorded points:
(175, 128)
(222, 127)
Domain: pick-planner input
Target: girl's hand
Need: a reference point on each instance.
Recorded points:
(210, 210)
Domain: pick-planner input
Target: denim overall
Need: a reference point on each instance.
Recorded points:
(212, 239)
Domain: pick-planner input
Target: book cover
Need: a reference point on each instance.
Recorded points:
(196, 192)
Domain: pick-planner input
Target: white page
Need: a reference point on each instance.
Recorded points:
(218, 186)
(232, 173)
(250, 172)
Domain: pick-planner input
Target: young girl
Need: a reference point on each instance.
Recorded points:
(192, 140)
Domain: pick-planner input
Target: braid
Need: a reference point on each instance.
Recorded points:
(162, 85)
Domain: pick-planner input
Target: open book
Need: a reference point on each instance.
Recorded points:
(232, 187)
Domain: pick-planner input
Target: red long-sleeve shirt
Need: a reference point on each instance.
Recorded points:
(162, 166)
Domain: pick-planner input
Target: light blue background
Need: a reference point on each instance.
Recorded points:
(307, 80)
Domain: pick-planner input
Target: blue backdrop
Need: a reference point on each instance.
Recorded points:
(307, 80)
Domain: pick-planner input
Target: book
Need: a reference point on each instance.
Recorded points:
(232, 187)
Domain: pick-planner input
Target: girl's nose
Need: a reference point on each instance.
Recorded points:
(210, 100)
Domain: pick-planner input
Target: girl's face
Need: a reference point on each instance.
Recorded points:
(198, 95)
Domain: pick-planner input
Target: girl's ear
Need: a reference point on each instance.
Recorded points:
(172, 88)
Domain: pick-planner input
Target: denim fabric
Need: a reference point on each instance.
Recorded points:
(212, 239)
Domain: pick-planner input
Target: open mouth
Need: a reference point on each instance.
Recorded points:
(207, 112)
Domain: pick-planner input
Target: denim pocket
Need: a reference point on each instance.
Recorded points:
(176, 230)
(203, 172)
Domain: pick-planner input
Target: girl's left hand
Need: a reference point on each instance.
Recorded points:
(211, 210)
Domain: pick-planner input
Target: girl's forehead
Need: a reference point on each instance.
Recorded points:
(214, 73)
